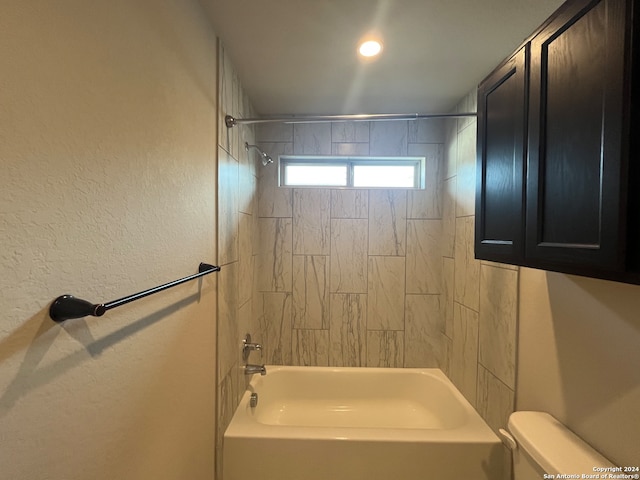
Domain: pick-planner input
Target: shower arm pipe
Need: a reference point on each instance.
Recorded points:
(231, 121)
(66, 307)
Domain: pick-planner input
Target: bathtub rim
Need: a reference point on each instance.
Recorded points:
(243, 425)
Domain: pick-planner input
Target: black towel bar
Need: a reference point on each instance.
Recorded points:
(66, 307)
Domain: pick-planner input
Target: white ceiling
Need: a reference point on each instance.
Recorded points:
(299, 56)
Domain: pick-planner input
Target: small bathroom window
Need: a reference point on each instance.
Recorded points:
(351, 172)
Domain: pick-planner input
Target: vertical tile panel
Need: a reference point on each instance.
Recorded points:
(469, 104)
(246, 260)
(245, 322)
(423, 331)
(277, 316)
(273, 201)
(255, 238)
(244, 319)
(495, 399)
(236, 91)
(349, 203)
(466, 173)
(312, 139)
(467, 268)
(245, 157)
(350, 149)
(498, 315)
(350, 132)
(449, 217)
(427, 203)
(385, 299)
(447, 295)
(227, 208)
(225, 98)
(248, 189)
(385, 349)
(500, 265)
(310, 292)
(426, 130)
(275, 132)
(388, 138)
(348, 256)
(348, 330)
(451, 150)
(464, 355)
(424, 265)
(275, 258)
(247, 133)
(259, 323)
(387, 222)
(311, 221)
(241, 383)
(228, 308)
(310, 347)
(447, 348)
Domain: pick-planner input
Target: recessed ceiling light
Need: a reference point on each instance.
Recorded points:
(370, 48)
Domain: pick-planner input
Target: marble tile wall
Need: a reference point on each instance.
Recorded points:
(238, 246)
(353, 277)
(480, 299)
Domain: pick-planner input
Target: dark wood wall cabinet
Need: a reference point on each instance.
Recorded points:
(558, 183)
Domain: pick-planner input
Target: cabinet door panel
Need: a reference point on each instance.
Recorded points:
(573, 66)
(500, 164)
(573, 187)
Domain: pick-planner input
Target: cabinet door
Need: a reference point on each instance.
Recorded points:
(500, 162)
(575, 196)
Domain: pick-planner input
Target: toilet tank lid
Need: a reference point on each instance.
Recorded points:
(552, 445)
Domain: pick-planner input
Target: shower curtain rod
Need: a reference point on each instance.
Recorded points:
(231, 121)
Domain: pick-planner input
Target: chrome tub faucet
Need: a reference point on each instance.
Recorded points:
(248, 347)
(250, 369)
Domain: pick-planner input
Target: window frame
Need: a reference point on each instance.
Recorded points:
(418, 162)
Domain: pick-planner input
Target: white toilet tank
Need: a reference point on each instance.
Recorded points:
(544, 445)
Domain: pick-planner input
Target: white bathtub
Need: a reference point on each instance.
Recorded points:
(322, 423)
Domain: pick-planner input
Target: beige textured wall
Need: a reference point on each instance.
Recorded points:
(345, 276)
(578, 358)
(107, 187)
(238, 235)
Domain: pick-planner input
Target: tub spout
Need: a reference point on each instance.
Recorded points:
(251, 369)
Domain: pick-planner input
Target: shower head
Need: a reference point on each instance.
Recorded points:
(266, 159)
